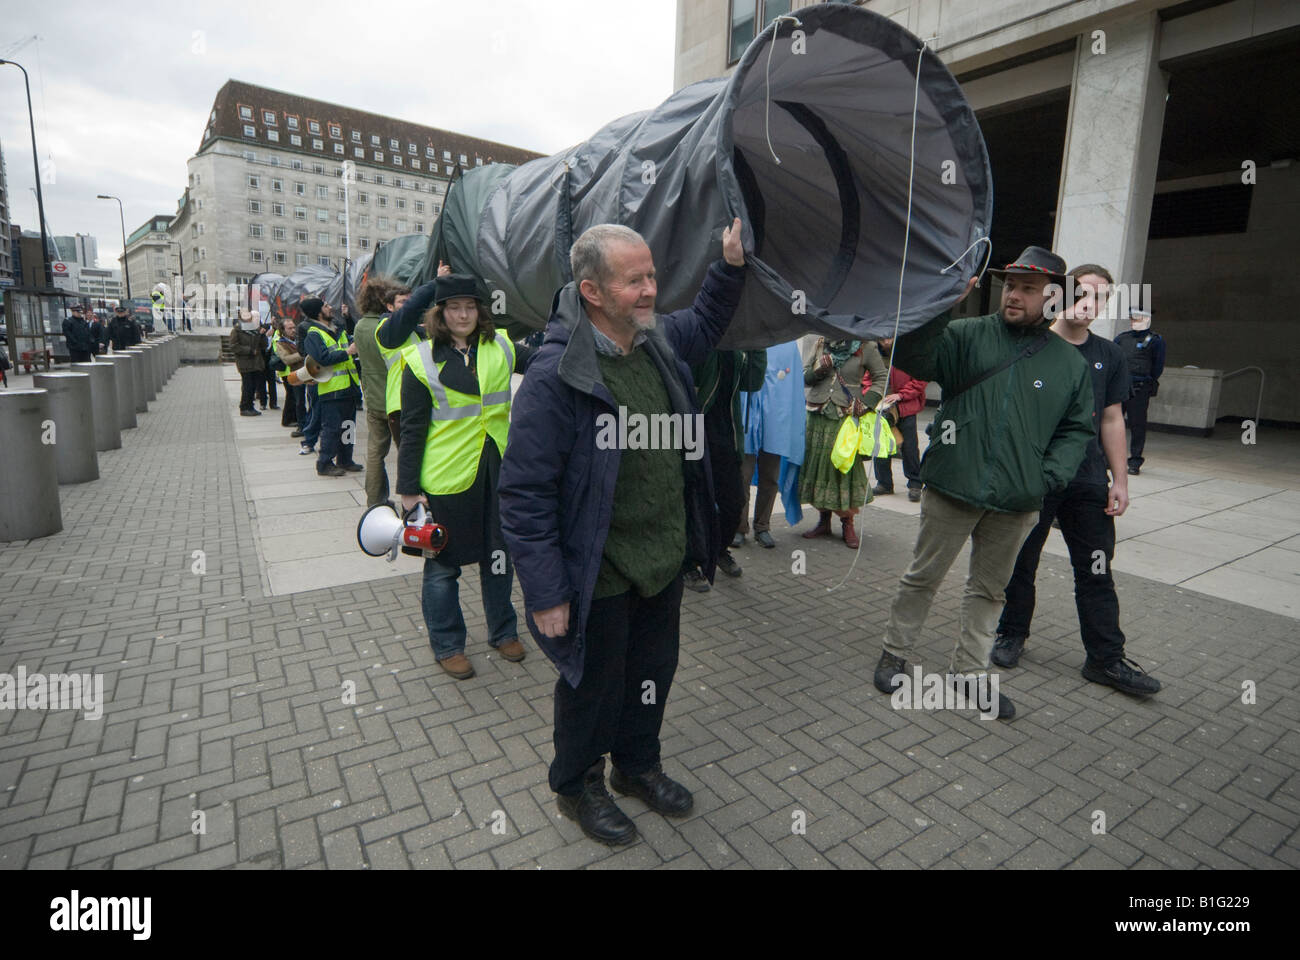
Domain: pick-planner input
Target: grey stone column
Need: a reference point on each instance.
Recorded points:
(104, 392)
(138, 380)
(73, 414)
(29, 475)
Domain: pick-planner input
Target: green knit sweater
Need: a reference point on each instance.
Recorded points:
(647, 529)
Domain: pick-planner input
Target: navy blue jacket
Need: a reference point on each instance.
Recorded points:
(557, 488)
(318, 350)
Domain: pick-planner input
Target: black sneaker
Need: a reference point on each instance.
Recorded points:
(1133, 470)
(330, 470)
(694, 580)
(881, 490)
(969, 687)
(1124, 675)
(914, 494)
(352, 467)
(1007, 650)
(728, 565)
(887, 668)
(248, 413)
(738, 540)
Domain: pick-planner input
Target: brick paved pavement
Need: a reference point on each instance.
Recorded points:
(224, 701)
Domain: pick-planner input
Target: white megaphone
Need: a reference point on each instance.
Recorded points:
(380, 532)
(310, 372)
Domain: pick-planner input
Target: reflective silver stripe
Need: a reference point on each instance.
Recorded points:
(500, 396)
(443, 409)
(507, 348)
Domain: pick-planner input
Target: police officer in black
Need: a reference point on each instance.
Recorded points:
(76, 331)
(1144, 349)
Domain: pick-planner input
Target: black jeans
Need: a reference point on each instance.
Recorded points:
(911, 452)
(270, 387)
(249, 386)
(630, 640)
(1135, 409)
(1090, 538)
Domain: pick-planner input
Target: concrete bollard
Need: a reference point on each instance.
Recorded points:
(138, 382)
(104, 391)
(125, 373)
(155, 367)
(29, 475)
(150, 384)
(72, 410)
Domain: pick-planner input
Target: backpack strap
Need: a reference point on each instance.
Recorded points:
(1029, 350)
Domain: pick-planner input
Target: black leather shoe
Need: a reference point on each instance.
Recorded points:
(296, 433)
(914, 494)
(660, 792)
(694, 580)
(880, 490)
(1124, 675)
(969, 687)
(728, 565)
(1007, 650)
(888, 666)
(330, 471)
(352, 467)
(596, 812)
(248, 413)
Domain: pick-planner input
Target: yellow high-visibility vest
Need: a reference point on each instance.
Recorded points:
(342, 375)
(275, 340)
(459, 423)
(395, 361)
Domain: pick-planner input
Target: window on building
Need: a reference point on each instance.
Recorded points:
(254, 181)
(342, 218)
(393, 144)
(463, 159)
(397, 159)
(383, 223)
(379, 156)
(379, 179)
(255, 256)
(478, 161)
(336, 131)
(318, 144)
(359, 152)
(300, 189)
(323, 261)
(356, 136)
(364, 243)
(419, 227)
(313, 126)
(295, 140)
(430, 153)
(250, 156)
(419, 206)
(322, 192)
(363, 220)
(254, 206)
(277, 233)
(437, 209)
(203, 253)
(338, 148)
(300, 213)
(363, 198)
(342, 194)
(268, 117)
(446, 154)
(273, 136)
(300, 259)
(249, 131)
(450, 168)
(245, 113)
(322, 216)
(300, 236)
(277, 209)
(291, 123)
(281, 257)
(255, 230)
(401, 203)
(416, 164)
(277, 185)
(381, 199)
(401, 226)
(374, 139)
(323, 238)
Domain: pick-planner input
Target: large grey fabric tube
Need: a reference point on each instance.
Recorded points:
(104, 393)
(29, 475)
(73, 413)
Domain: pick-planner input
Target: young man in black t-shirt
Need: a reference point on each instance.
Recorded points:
(1086, 510)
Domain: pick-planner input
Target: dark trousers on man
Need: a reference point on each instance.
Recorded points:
(336, 416)
(80, 356)
(769, 475)
(1135, 410)
(269, 389)
(1090, 537)
(724, 463)
(911, 454)
(630, 640)
(248, 388)
(289, 415)
(311, 427)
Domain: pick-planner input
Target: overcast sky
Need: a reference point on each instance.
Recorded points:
(121, 91)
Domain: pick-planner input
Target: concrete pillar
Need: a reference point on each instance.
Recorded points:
(138, 380)
(103, 398)
(73, 413)
(146, 367)
(124, 371)
(155, 367)
(29, 475)
(1112, 146)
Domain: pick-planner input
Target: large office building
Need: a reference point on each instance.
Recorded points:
(150, 256)
(266, 190)
(1156, 137)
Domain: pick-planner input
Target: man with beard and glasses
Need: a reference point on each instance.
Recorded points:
(1015, 422)
(598, 530)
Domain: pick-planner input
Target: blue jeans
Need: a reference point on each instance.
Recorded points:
(311, 423)
(440, 599)
(333, 415)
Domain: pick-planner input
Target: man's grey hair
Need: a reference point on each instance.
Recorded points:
(588, 258)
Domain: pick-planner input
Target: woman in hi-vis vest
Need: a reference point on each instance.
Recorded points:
(455, 418)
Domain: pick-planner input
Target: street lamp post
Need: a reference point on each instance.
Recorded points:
(40, 200)
(180, 255)
(126, 269)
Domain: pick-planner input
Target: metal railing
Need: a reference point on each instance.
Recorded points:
(1259, 400)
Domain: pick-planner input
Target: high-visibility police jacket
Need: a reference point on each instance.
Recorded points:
(459, 423)
(342, 375)
(275, 342)
(395, 361)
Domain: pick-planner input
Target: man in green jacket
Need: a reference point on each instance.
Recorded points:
(1015, 422)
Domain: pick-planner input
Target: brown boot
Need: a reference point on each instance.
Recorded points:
(823, 527)
(512, 650)
(458, 666)
(850, 535)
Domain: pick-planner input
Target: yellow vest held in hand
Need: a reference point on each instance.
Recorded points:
(459, 422)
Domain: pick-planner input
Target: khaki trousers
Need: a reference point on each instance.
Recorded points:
(946, 525)
(378, 440)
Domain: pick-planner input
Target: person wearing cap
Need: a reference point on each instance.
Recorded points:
(455, 420)
(120, 328)
(246, 345)
(1015, 423)
(1086, 509)
(1144, 349)
(339, 395)
(81, 345)
(98, 335)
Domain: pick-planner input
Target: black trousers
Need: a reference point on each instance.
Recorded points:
(724, 462)
(1135, 410)
(289, 413)
(630, 640)
(270, 386)
(911, 453)
(249, 388)
(1090, 538)
(80, 356)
